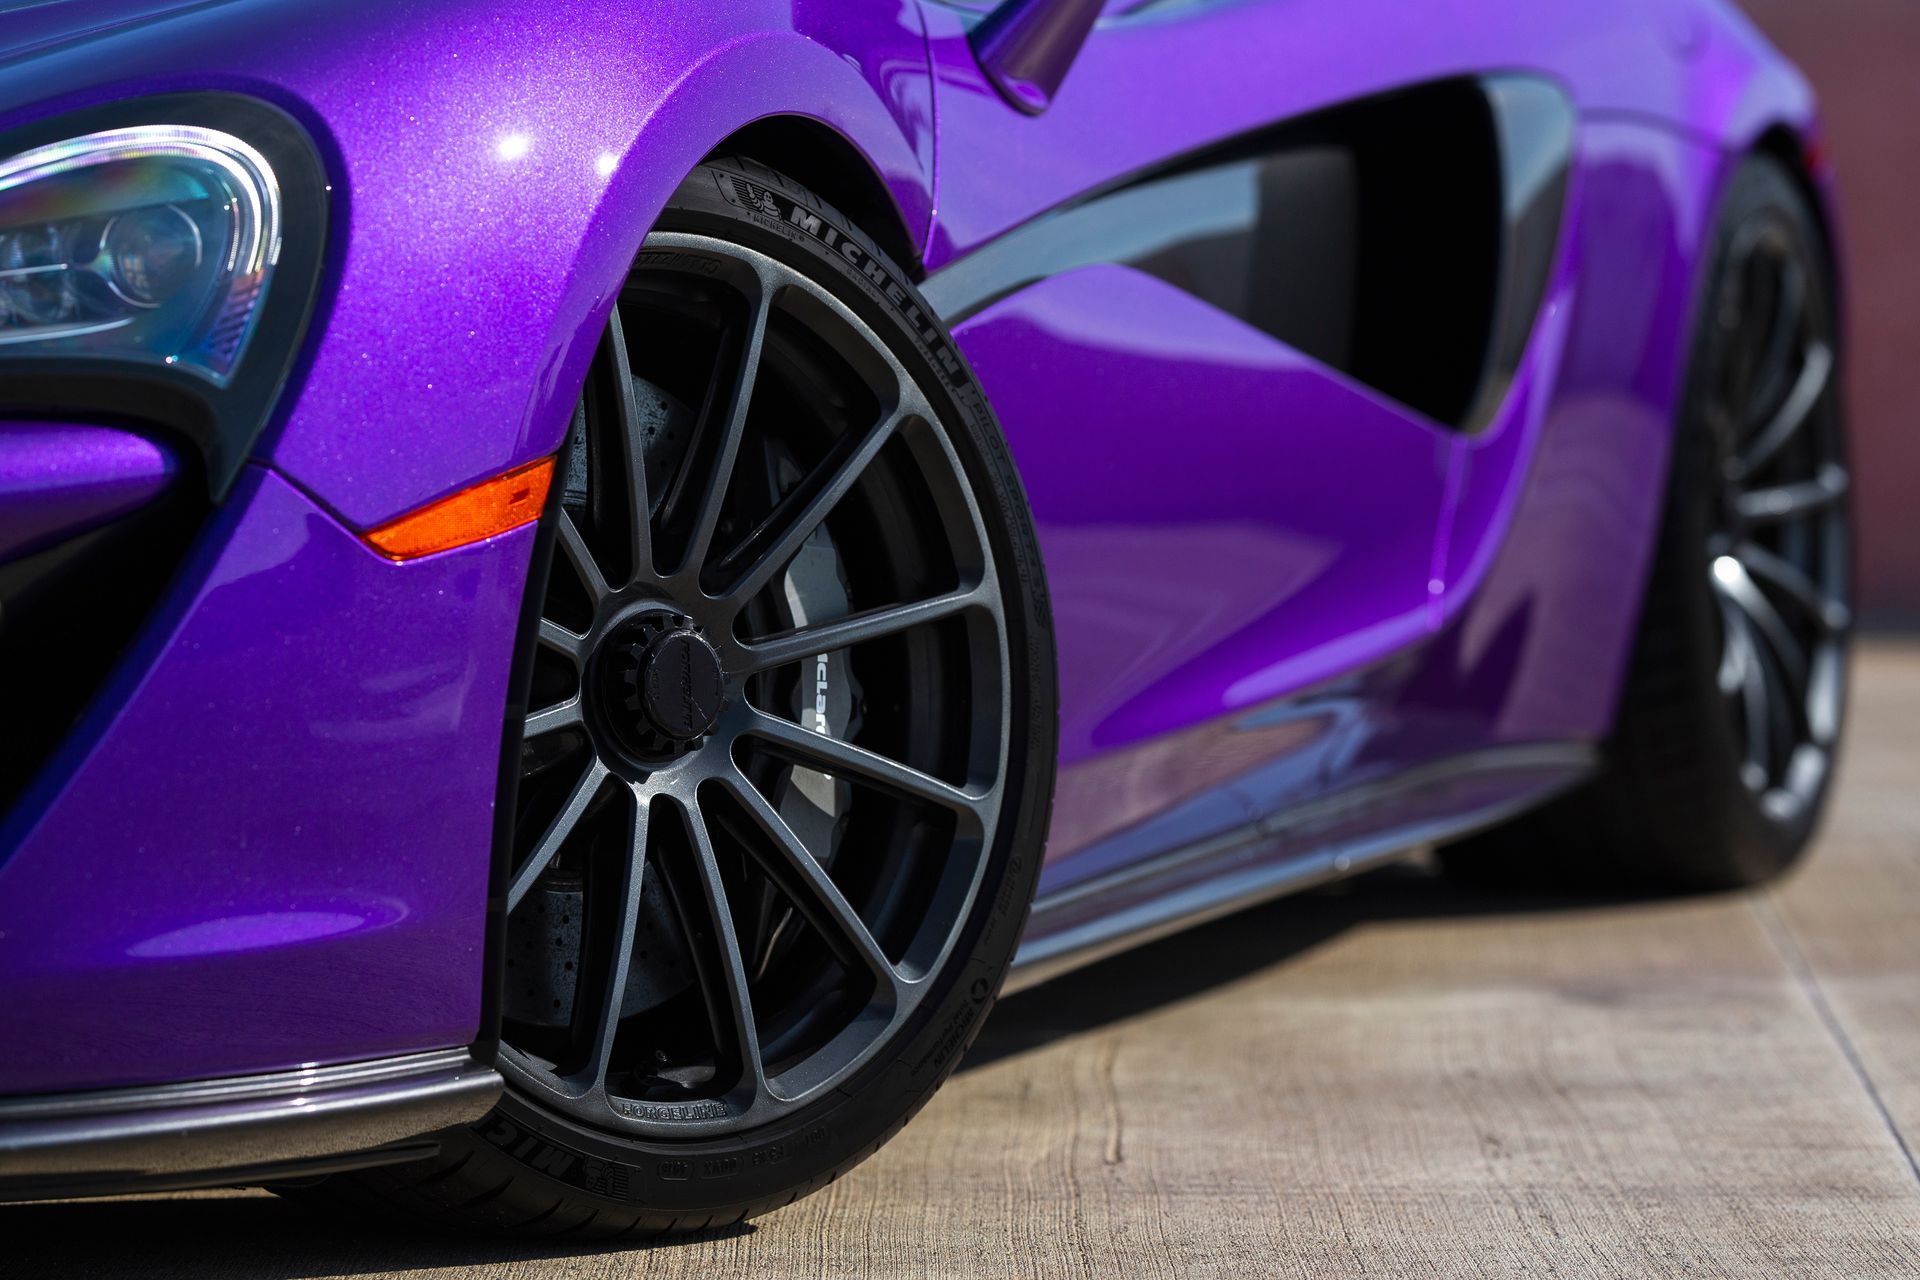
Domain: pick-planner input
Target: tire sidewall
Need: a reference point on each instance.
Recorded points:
(746, 1172)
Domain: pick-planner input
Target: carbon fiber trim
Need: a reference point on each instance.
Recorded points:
(238, 1130)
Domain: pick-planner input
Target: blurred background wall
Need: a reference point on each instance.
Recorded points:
(1864, 58)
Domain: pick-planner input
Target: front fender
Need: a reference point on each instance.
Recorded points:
(495, 167)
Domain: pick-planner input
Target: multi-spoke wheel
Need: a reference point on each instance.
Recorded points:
(776, 774)
(1733, 709)
(787, 769)
(1779, 552)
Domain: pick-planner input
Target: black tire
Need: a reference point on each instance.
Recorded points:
(530, 1168)
(1682, 805)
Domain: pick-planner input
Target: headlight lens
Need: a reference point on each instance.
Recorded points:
(154, 244)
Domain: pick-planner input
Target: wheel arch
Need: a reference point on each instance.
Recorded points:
(828, 163)
(579, 187)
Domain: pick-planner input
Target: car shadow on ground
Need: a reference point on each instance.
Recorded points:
(240, 1235)
(1239, 946)
(230, 1234)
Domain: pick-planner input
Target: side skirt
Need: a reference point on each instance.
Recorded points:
(1287, 852)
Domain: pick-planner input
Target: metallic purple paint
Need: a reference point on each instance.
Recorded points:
(1149, 84)
(267, 843)
(57, 480)
(476, 145)
(1176, 604)
(1546, 552)
(1557, 511)
(270, 844)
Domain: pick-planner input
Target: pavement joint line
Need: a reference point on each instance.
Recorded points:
(1767, 910)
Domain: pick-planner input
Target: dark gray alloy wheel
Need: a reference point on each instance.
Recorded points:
(1730, 724)
(787, 771)
(677, 741)
(1780, 556)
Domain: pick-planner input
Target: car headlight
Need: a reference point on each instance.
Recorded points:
(161, 261)
(155, 243)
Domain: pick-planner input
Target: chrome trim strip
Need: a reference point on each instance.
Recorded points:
(1043, 955)
(180, 1134)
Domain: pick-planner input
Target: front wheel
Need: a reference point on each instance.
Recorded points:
(1730, 723)
(784, 787)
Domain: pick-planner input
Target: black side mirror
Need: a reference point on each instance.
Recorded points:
(1026, 46)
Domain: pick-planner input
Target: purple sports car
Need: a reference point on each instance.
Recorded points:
(581, 585)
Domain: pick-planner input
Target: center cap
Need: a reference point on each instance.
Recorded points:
(681, 684)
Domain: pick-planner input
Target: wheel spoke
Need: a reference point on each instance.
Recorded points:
(606, 1023)
(1786, 702)
(733, 966)
(1733, 654)
(562, 641)
(805, 514)
(557, 832)
(727, 425)
(575, 548)
(813, 891)
(562, 715)
(1749, 684)
(1779, 504)
(1795, 586)
(1736, 585)
(1793, 414)
(872, 624)
(832, 756)
(632, 450)
(1826, 694)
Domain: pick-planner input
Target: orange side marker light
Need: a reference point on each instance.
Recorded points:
(479, 511)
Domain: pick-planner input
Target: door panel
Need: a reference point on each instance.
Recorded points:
(1225, 522)
(1243, 350)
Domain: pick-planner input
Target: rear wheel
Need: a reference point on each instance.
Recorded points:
(1731, 718)
(784, 787)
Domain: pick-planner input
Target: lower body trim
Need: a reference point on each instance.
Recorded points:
(244, 1129)
(1286, 853)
